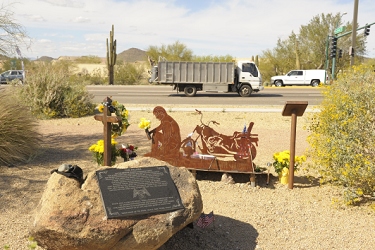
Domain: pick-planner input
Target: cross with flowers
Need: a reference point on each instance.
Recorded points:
(107, 120)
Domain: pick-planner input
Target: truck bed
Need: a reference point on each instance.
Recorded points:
(195, 72)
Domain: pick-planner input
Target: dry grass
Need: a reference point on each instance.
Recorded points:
(19, 139)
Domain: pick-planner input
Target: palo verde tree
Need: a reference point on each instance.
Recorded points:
(313, 49)
(13, 34)
(15, 63)
(307, 48)
(226, 58)
(179, 52)
(172, 52)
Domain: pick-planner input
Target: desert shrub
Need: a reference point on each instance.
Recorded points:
(51, 92)
(85, 77)
(129, 73)
(343, 134)
(95, 78)
(88, 59)
(19, 139)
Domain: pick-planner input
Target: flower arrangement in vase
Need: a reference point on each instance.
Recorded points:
(281, 164)
(128, 152)
(97, 150)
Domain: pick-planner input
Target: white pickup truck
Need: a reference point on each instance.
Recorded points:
(311, 77)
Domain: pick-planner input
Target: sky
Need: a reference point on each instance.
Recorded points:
(240, 28)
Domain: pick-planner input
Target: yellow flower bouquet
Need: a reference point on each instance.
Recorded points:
(282, 160)
(97, 150)
(145, 124)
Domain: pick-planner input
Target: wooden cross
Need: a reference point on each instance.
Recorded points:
(107, 120)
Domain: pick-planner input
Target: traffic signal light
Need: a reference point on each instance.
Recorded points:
(340, 53)
(333, 47)
(367, 30)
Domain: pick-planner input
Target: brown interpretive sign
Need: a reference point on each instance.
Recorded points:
(137, 191)
(293, 109)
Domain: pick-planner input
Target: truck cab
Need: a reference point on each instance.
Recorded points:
(248, 78)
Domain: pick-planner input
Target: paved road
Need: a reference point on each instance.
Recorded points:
(165, 95)
(162, 95)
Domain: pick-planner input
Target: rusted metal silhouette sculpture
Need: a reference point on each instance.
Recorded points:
(205, 149)
(166, 138)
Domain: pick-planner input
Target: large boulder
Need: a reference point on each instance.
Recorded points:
(70, 216)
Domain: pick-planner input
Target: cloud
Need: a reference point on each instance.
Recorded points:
(66, 3)
(81, 20)
(44, 41)
(35, 18)
(241, 28)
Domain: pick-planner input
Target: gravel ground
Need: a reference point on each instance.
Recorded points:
(262, 217)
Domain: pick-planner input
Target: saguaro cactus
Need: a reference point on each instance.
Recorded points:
(111, 55)
(257, 60)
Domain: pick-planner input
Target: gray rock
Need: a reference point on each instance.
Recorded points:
(72, 217)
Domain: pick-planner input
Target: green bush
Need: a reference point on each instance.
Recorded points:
(94, 78)
(129, 73)
(88, 59)
(343, 134)
(51, 92)
(19, 139)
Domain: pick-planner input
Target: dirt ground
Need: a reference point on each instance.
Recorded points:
(268, 216)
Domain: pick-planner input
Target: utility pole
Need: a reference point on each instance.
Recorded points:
(354, 33)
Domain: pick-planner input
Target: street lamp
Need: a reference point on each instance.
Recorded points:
(337, 23)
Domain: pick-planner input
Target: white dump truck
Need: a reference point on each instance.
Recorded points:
(311, 77)
(242, 77)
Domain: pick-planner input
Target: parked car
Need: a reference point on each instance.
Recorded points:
(10, 75)
(311, 77)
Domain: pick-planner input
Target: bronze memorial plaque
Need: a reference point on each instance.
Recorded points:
(136, 191)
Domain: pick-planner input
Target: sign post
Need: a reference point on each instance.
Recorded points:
(293, 109)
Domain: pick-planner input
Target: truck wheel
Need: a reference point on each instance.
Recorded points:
(190, 91)
(245, 91)
(278, 83)
(315, 83)
(149, 80)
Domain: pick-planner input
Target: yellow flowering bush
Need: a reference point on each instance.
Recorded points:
(342, 135)
(119, 110)
(97, 150)
(282, 160)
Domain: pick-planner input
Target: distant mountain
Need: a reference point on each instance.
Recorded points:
(132, 55)
(45, 59)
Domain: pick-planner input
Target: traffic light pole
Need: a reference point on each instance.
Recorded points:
(333, 55)
(327, 60)
(339, 36)
(350, 32)
(333, 67)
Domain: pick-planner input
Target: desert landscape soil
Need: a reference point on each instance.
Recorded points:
(262, 217)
